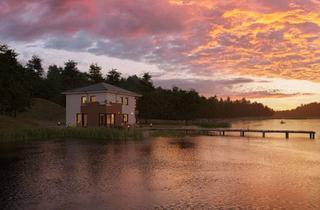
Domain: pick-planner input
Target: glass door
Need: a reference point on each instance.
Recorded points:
(102, 119)
(110, 120)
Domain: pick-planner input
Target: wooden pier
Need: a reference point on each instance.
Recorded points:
(242, 132)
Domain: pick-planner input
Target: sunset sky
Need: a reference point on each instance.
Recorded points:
(264, 50)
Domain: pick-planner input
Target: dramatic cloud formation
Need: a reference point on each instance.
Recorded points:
(203, 38)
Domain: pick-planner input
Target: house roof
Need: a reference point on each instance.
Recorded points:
(101, 87)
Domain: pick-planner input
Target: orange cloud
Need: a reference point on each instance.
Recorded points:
(203, 37)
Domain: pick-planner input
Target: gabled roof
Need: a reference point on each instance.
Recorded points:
(100, 88)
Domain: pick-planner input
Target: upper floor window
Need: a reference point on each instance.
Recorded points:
(83, 99)
(126, 101)
(121, 100)
(93, 98)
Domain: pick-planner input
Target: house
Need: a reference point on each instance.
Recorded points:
(100, 105)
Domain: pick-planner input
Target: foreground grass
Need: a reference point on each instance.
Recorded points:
(28, 134)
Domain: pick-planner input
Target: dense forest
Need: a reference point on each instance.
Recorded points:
(20, 83)
(304, 111)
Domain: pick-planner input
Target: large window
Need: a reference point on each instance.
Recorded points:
(93, 98)
(110, 120)
(79, 120)
(102, 119)
(125, 118)
(83, 99)
(82, 120)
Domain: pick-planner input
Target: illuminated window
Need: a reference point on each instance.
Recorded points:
(83, 99)
(82, 120)
(127, 101)
(79, 119)
(93, 98)
(125, 119)
(112, 119)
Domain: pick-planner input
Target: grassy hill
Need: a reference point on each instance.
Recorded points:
(43, 113)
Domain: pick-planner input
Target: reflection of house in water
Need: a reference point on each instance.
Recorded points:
(100, 104)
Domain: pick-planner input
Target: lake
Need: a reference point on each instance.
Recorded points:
(184, 173)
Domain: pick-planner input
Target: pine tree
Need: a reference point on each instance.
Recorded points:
(95, 73)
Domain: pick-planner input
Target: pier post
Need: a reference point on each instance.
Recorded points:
(242, 133)
(223, 133)
(264, 134)
(287, 135)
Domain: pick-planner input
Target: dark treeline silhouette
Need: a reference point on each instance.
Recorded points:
(20, 83)
(304, 111)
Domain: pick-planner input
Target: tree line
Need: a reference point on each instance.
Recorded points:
(311, 110)
(20, 83)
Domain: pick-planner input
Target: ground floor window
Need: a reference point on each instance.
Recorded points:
(125, 118)
(82, 119)
(102, 119)
(106, 120)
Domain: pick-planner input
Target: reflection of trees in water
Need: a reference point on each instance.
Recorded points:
(11, 171)
(183, 144)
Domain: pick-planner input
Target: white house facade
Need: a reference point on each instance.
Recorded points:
(100, 105)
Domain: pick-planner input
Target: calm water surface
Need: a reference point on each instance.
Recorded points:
(307, 125)
(186, 173)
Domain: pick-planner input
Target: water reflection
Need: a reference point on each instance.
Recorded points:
(194, 172)
(183, 143)
(275, 124)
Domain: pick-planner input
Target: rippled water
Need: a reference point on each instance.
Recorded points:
(188, 173)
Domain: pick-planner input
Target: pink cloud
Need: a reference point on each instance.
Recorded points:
(240, 37)
(110, 18)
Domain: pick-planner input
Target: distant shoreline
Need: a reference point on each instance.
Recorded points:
(216, 120)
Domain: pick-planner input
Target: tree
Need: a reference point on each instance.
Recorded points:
(95, 73)
(14, 91)
(146, 79)
(35, 73)
(55, 84)
(34, 65)
(54, 73)
(70, 75)
(113, 77)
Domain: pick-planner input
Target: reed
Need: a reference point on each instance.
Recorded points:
(28, 134)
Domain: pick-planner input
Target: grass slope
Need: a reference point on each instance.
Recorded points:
(43, 113)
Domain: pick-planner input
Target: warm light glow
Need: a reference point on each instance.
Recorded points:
(179, 40)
